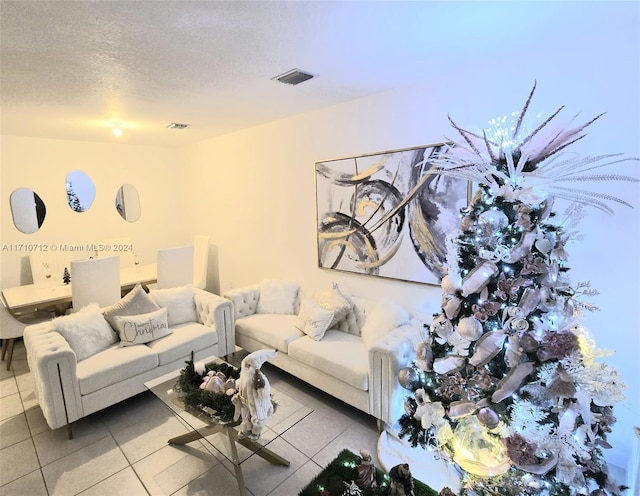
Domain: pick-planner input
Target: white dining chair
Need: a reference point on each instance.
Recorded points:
(200, 261)
(175, 267)
(12, 328)
(96, 280)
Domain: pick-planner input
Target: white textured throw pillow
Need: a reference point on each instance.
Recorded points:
(179, 302)
(135, 302)
(382, 318)
(333, 299)
(313, 320)
(277, 296)
(86, 331)
(140, 329)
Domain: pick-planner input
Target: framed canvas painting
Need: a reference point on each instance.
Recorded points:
(381, 214)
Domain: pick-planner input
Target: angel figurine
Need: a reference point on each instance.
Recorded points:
(253, 398)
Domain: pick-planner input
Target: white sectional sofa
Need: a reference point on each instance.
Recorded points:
(69, 388)
(356, 360)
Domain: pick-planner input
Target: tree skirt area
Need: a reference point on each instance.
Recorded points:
(423, 464)
(343, 469)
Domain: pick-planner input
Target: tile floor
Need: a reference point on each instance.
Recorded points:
(123, 450)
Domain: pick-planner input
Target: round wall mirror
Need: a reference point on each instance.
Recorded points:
(80, 191)
(27, 209)
(128, 202)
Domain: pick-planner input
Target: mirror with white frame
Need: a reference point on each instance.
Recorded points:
(27, 209)
(128, 202)
(80, 191)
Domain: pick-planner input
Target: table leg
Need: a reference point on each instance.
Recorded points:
(195, 435)
(232, 436)
(263, 452)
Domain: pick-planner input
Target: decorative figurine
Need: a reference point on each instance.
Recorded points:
(366, 471)
(66, 277)
(401, 480)
(253, 399)
(351, 489)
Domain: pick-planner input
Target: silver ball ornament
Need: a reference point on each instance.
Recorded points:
(408, 378)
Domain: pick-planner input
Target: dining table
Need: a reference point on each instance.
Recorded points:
(49, 295)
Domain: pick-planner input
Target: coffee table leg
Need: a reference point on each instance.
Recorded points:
(195, 435)
(263, 452)
(232, 435)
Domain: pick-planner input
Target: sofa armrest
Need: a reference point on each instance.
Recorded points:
(217, 312)
(387, 356)
(245, 300)
(53, 368)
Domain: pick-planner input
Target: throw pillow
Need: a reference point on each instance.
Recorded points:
(179, 302)
(277, 297)
(382, 318)
(86, 331)
(333, 299)
(140, 329)
(313, 320)
(135, 302)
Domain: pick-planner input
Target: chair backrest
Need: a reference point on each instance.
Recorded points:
(200, 261)
(175, 267)
(95, 280)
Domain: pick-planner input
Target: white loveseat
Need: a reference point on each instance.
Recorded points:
(68, 389)
(357, 360)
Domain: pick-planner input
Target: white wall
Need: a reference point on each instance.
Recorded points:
(42, 165)
(257, 189)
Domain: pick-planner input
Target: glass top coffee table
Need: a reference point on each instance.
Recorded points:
(223, 437)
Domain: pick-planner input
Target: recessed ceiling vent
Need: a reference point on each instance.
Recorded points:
(293, 77)
(177, 125)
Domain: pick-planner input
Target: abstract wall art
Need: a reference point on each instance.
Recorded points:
(382, 214)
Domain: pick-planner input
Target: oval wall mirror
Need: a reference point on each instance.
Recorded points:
(27, 209)
(80, 191)
(128, 202)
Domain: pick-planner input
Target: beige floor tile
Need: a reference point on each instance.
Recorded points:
(124, 483)
(37, 422)
(13, 430)
(10, 406)
(171, 467)
(31, 484)
(8, 385)
(146, 435)
(216, 482)
(316, 431)
(358, 436)
(17, 460)
(52, 445)
(301, 477)
(262, 477)
(84, 468)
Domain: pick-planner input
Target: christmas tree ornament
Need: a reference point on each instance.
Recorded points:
(408, 378)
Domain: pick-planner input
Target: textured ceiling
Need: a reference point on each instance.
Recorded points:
(73, 70)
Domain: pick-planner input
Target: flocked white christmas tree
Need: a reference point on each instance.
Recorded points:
(506, 384)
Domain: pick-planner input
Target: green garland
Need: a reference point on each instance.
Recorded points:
(196, 399)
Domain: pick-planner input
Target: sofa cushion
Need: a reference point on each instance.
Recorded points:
(179, 302)
(86, 331)
(313, 320)
(355, 318)
(333, 299)
(140, 329)
(184, 339)
(275, 331)
(135, 302)
(382, 317)
(340, 355)
(277, 296)
(113, 365)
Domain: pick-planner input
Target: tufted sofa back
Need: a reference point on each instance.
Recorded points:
(355, 319)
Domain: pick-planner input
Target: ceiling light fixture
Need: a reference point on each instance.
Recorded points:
(293, 77)
(177, 125)
(117, 132)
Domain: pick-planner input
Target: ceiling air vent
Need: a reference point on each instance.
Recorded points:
(177, 125)
(293, 77)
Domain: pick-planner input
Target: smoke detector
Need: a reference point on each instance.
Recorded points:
(293, 77)
(177, 125)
